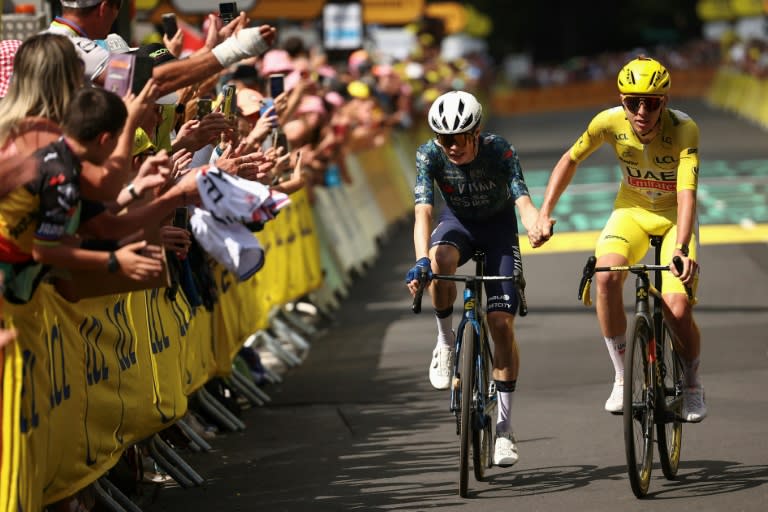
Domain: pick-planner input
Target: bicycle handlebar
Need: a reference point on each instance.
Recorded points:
(517, 277)
(590, 269)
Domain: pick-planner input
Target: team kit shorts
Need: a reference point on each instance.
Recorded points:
(497, 237)
(627, 234)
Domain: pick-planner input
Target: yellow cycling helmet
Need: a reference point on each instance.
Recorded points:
(644, 75)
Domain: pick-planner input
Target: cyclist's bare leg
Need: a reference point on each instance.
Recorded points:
(609, 300)
(613, 323)
(506, 364)
(679, 316)
(445, 260)
(506, 358)
(678, 313)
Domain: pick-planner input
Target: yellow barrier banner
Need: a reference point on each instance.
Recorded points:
(27, 388)
(97, 376)
(392, 192)
(292, 266)
(85, 380)
(10, 436)
(291, 269)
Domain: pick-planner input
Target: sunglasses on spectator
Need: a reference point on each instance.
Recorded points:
(652, 103)
(449, 139)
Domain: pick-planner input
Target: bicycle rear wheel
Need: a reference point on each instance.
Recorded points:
(483, 418)
(468, 343)
(638, 406)
(669, 427)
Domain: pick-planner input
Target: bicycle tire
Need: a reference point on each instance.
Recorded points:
(484, 428)
(669, 428)
(638, 407)
(468, 341)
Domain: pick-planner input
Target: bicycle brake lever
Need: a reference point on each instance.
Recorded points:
(522, 309)
(677, 261)
(416, 307)
(588, 272)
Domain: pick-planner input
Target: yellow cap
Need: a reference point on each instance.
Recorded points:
(141, 142)
(358, 89)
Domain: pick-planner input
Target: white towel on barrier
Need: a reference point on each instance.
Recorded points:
(231, 244)
(229, 203)
(234, 199)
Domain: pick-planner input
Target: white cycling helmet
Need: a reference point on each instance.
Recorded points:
(455, 112)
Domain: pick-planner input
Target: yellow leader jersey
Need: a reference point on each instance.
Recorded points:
(652, 174)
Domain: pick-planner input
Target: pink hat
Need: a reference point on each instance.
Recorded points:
(327, 71)
(249, 101)
(311, 105)
(276, 61)
(334, 98)
(355, 59)
(380, 70)
(8, 49)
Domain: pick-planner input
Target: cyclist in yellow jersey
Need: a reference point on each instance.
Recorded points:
(657, 149)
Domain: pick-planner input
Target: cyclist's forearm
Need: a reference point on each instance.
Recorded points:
(561, 176)
(686, 215)
(421, 229)
(528, 212)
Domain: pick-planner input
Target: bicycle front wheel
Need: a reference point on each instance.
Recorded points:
(484, 413)
(669, 425)
(638, 406)
(468, 343)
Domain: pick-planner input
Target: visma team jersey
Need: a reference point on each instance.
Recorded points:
(652, 174)
(488, 185)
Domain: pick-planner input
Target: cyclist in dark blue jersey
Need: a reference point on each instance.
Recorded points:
(480, 178)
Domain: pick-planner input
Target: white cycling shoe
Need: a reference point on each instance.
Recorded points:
(694, 406)
(441, 366)
(505, 450)
(615, 402)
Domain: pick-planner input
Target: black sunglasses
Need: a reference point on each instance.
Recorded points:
(449, 139)
(652, 103)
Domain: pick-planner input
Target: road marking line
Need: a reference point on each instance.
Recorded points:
(710, 235)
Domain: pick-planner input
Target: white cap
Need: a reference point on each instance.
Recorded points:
(80, 4)
(116, 44)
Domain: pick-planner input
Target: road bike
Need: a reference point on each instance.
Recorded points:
(653, 375)
(473, 393)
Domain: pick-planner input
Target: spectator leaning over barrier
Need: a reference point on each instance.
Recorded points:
(46, 74)
(35, 218)
(86, 20)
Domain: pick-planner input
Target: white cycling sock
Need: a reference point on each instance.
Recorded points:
(504, 405)
(691, 373)
(616, 346)
(444, 329)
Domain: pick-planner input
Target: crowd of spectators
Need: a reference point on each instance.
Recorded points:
(120, 186)
(523, 72)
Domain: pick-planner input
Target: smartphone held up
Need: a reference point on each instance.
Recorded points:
(276, 85)
(227, 12)
(170, 27)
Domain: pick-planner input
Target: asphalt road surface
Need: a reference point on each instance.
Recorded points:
(358, 427)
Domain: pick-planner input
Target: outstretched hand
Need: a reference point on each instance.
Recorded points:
(541, 231)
